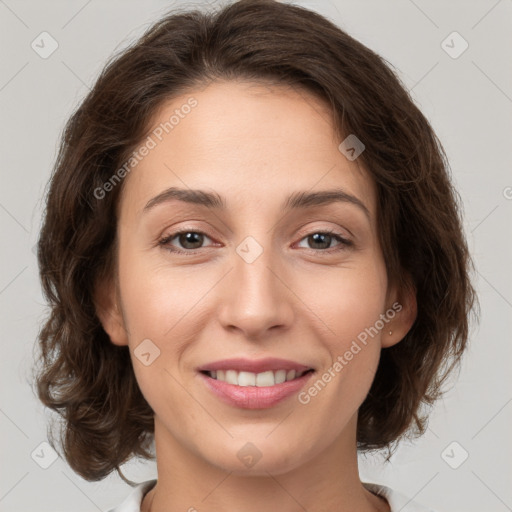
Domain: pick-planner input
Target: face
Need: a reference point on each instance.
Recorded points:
(253, 273)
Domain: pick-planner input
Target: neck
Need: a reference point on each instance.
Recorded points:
(327, 481)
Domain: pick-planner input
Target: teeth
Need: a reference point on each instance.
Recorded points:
(245, 379)
(268, 378)
(280, 376)
(262, 379)
(290, 375)
(231, 377)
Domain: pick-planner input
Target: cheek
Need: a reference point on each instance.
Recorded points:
(349, 300)
(152, 309)
(349, 306)
(156, 298)
(168, 307)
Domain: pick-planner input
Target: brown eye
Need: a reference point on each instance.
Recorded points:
(191, 240)
(321, 240)
(188, 241)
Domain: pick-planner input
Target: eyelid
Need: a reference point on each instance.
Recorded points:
(338, 231)
(344, 243)
(165, 239)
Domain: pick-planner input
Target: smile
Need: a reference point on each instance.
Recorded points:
(263, 379)
(254, 391)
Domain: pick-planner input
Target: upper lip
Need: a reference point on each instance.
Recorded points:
(254, 365)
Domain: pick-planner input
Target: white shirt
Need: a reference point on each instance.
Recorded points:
(397, 501)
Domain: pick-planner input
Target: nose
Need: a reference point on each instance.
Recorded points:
(256, 297)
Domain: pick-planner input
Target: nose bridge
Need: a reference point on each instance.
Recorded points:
(255, 298)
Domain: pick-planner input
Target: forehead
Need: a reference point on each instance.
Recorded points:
(246, 141)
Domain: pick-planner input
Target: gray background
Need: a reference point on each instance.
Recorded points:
(467, 99)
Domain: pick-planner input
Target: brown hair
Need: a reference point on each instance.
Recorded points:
(88, 380)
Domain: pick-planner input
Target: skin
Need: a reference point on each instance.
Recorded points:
(253, 144)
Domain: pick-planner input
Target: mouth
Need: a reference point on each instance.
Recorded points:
(267, 378)
(254, 384)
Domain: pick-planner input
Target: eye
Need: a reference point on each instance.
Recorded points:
(322, 240)
(189, 240)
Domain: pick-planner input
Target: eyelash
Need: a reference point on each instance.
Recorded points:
(343, 245)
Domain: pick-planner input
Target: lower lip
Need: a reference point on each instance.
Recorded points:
(253, 397)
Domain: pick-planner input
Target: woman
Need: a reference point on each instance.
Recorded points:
(254, 257)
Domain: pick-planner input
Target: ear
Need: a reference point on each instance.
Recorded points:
(404, 304)
(106, 301)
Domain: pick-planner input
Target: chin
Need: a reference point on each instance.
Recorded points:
(258, 457)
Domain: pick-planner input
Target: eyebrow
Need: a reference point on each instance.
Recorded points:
(297, 200)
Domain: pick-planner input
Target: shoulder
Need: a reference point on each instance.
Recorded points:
(133, 501)
(397, 501)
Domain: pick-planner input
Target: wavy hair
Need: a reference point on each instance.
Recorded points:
(88, 380)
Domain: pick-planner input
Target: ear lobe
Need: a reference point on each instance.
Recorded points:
(109, 312)
(404, 318)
